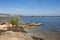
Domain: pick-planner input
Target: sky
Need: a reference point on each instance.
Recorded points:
(31, 7)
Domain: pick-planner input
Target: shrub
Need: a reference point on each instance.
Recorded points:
(14, 21)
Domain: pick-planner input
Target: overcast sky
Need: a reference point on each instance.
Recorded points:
(31, 7)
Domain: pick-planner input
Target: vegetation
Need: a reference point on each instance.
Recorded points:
(14, 21)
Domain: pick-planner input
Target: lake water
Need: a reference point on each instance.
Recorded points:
(50, 30)
(50, 27)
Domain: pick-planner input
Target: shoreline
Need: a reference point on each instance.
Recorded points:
(9, 35)
(15, 34)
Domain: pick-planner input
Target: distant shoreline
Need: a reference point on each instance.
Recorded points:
(9, 15)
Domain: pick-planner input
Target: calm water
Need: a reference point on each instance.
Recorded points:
(50, 30)
(51, 26)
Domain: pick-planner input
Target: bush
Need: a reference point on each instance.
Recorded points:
(14, 21)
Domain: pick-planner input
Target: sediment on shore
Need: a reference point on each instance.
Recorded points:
(14, 34)
(9, 35)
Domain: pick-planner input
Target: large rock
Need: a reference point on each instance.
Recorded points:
(9, 35)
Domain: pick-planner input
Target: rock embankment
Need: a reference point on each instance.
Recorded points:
(10, 35)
